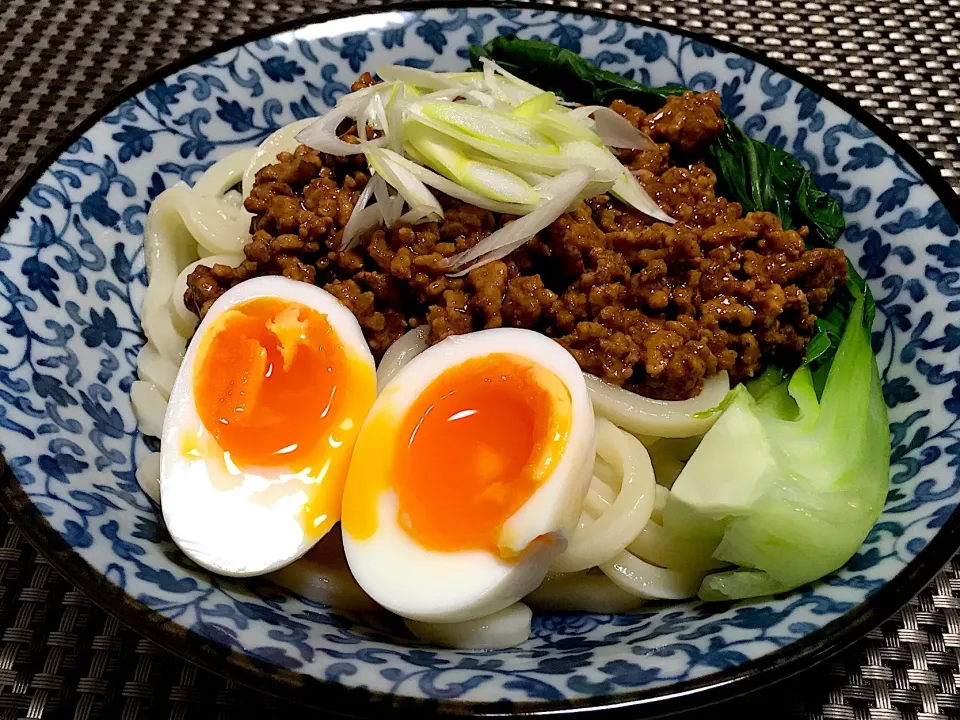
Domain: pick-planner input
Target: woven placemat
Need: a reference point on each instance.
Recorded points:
(59, 59)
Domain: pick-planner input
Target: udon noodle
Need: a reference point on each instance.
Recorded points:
(620, 555)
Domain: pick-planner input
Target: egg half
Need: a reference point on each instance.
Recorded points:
(261, 424)
(469, 475)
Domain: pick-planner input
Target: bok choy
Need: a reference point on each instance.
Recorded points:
(788, 485)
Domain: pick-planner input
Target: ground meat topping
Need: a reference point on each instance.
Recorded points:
(653, 307)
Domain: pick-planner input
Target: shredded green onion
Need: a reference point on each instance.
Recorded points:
(487, 138)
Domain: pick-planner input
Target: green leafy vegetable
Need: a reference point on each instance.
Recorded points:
(762, 177)
(565, 73)
(831, 323)
(786, 484)
(757, 175)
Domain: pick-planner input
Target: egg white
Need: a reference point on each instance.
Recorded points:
(224, 530)
(432, 586)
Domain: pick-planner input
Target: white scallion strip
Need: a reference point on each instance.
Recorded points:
(481, 98)
(508, 238)
(378, 112)
(466, 125)
(322, 134)
(614, 129)
(405, 182)
(453, 158)
(366, 220)
(528, 89)
(380, 190)
(417, 215)
(536, 106)
(411, 344)
(434, 180)
(390, 206)
(547, 154)
(606, 166)
(490, 126)
(395, 118)
(360, 220)
(557, 124)
(663, 418)
(628, 189)
(357, 98)
(417, 77)
(436, 96)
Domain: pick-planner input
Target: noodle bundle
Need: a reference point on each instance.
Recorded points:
(185, 226)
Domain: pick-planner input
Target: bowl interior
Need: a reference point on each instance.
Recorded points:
(72, 280)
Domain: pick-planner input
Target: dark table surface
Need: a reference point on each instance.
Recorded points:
(59, 59)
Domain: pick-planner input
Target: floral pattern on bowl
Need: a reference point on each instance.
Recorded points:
(72, 278)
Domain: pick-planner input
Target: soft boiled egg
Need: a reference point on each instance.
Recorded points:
(262, 421)
(468, 476)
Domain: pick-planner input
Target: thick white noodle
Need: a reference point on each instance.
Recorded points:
(581, 592)
(149, 406)
(153, 368)
(215, 225)
(601, 539)
(661, 418)
(649, 581)
(411, 344)
(183, 224)
(283, 140)
(148, 476)
(225, 174)
(599, 498)
(168, 248)
(323, 576)
(503, 629)
(601, 495)
(607, 473)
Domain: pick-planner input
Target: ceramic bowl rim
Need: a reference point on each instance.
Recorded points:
(331, 695)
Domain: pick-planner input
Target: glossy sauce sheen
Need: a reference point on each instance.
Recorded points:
(275, 388)
(469, 452)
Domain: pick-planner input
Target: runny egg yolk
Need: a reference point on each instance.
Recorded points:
(469, 453)
(276, 388)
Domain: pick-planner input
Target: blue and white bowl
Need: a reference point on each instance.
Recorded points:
(72, 279)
